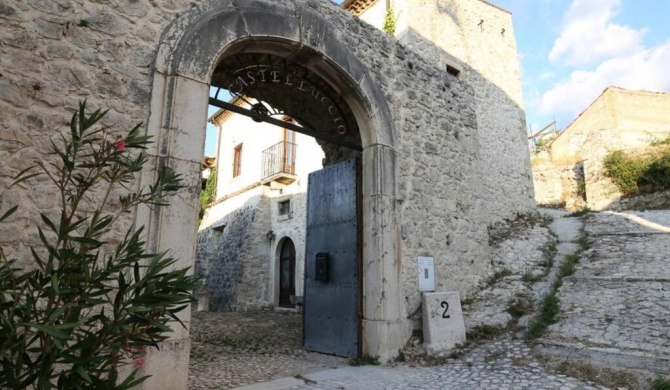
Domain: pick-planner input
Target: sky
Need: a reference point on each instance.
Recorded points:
(571, 50)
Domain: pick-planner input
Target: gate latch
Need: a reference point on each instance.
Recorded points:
(322, 267)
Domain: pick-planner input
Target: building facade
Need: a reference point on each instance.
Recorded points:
(619, 119)
(432, 177)
(251, 241)
(473, 40)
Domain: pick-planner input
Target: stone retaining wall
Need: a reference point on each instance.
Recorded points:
(560, 186)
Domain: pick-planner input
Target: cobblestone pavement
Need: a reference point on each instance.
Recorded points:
(237, 349)
(500, 365)
(619, 296)
(234, 349)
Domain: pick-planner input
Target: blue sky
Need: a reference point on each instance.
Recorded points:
(571, 50)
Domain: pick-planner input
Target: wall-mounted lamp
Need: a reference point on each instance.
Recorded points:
(270, 235)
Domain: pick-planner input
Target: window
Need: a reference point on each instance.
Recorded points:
(237, 161)
(285, 207)
(453, 71)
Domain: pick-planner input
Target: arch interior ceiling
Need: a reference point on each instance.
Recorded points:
(273, 87)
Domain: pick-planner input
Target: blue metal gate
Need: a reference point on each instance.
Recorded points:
(332, 266)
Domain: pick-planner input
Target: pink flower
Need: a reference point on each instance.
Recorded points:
(139, 362)
(120, 145)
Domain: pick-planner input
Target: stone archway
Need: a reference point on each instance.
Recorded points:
(191, 47)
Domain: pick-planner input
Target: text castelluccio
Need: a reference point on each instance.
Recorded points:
(266, 75)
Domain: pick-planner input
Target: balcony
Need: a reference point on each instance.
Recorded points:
(279, 164)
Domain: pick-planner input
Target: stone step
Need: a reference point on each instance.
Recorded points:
(613, 313)
(566, 229)
(630, 222)
(612, 358)
(639, 257)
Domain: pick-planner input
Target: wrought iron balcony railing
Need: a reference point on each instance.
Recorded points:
(279, 159)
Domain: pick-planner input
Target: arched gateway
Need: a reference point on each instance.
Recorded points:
(196, 51)
(423, 153)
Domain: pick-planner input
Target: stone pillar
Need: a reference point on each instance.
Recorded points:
(383, 325)
(177, 126)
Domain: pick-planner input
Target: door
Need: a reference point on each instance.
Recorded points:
(332, 265)
(286, 273)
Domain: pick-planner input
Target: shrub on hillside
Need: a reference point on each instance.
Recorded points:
(635, 173)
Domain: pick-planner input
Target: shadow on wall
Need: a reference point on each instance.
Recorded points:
(235, 256)
(503, 175)
(460, 172)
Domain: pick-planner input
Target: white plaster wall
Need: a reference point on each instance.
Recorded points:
(375, 14)
(309, 156)
(255, 138)
(259, 289)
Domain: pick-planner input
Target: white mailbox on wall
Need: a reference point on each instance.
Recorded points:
(426, 274)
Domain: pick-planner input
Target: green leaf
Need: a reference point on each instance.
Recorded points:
(131, 382)
(24, 177)
(48, 330)
(48, 222)
(8, 213)
(83, 373)
(54, 284)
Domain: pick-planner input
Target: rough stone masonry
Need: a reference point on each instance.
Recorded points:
(150, 61)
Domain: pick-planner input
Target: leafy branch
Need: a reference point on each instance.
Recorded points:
(88, 307)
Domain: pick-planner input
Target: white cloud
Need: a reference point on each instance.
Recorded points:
(589, 35)
(545, 75)
(644, 69)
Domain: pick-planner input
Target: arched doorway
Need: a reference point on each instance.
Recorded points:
(191, 49)
(286, 273)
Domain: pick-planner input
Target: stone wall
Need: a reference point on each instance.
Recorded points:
(233, 256)
(52, 56)
(422, 159)
(617, 119)
(560, 186)
(449, 33)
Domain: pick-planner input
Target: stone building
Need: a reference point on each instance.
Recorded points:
(435, 168)
(619, 119)
(454, 35)
(474, 41)
(251, 242)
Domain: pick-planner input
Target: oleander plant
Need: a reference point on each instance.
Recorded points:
(92, 303)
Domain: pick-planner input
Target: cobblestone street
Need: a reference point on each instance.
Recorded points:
(499, 365)
(235, 349)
